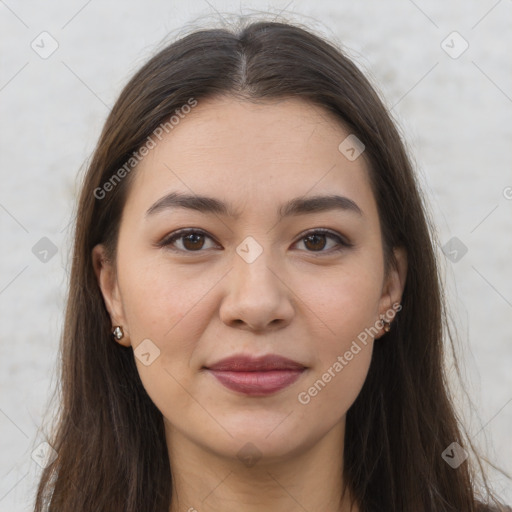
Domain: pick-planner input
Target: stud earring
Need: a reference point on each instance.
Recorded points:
(386, 324)
(118, 332)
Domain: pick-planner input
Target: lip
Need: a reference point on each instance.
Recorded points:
(256, 376)
(245, 363)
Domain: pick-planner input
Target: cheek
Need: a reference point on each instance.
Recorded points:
(345, 300)
(160, 300)
(171, 307)
(347, 305)
(343, 354)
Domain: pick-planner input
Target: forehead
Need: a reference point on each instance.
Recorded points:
(250, 154)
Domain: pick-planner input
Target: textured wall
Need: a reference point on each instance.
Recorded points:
(454, 105)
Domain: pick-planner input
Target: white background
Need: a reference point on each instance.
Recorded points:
(455, 113)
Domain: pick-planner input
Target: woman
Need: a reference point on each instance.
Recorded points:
(255, 317)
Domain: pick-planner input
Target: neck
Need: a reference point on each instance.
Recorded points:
(204, 481)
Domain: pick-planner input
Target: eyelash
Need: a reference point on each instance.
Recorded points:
(168, 240)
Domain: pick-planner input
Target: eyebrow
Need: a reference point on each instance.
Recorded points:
(296, 206)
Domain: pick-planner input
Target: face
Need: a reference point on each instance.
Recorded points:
(267, 274)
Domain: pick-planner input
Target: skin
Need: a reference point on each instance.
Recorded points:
(300, 299)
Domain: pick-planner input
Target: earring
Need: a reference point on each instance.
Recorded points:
(386, 324)
(118, 332)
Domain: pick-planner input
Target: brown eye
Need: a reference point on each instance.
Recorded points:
(192, 240)
(317, 241)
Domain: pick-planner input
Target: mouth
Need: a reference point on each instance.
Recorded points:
(256, 376)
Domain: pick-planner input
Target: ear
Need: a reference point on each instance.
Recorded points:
(107, 281)
(394, 285)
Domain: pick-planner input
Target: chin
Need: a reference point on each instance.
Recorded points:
(266, 439)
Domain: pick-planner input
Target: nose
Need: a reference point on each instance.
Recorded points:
(257, 297)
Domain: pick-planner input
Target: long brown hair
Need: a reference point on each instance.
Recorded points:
(109, 435)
